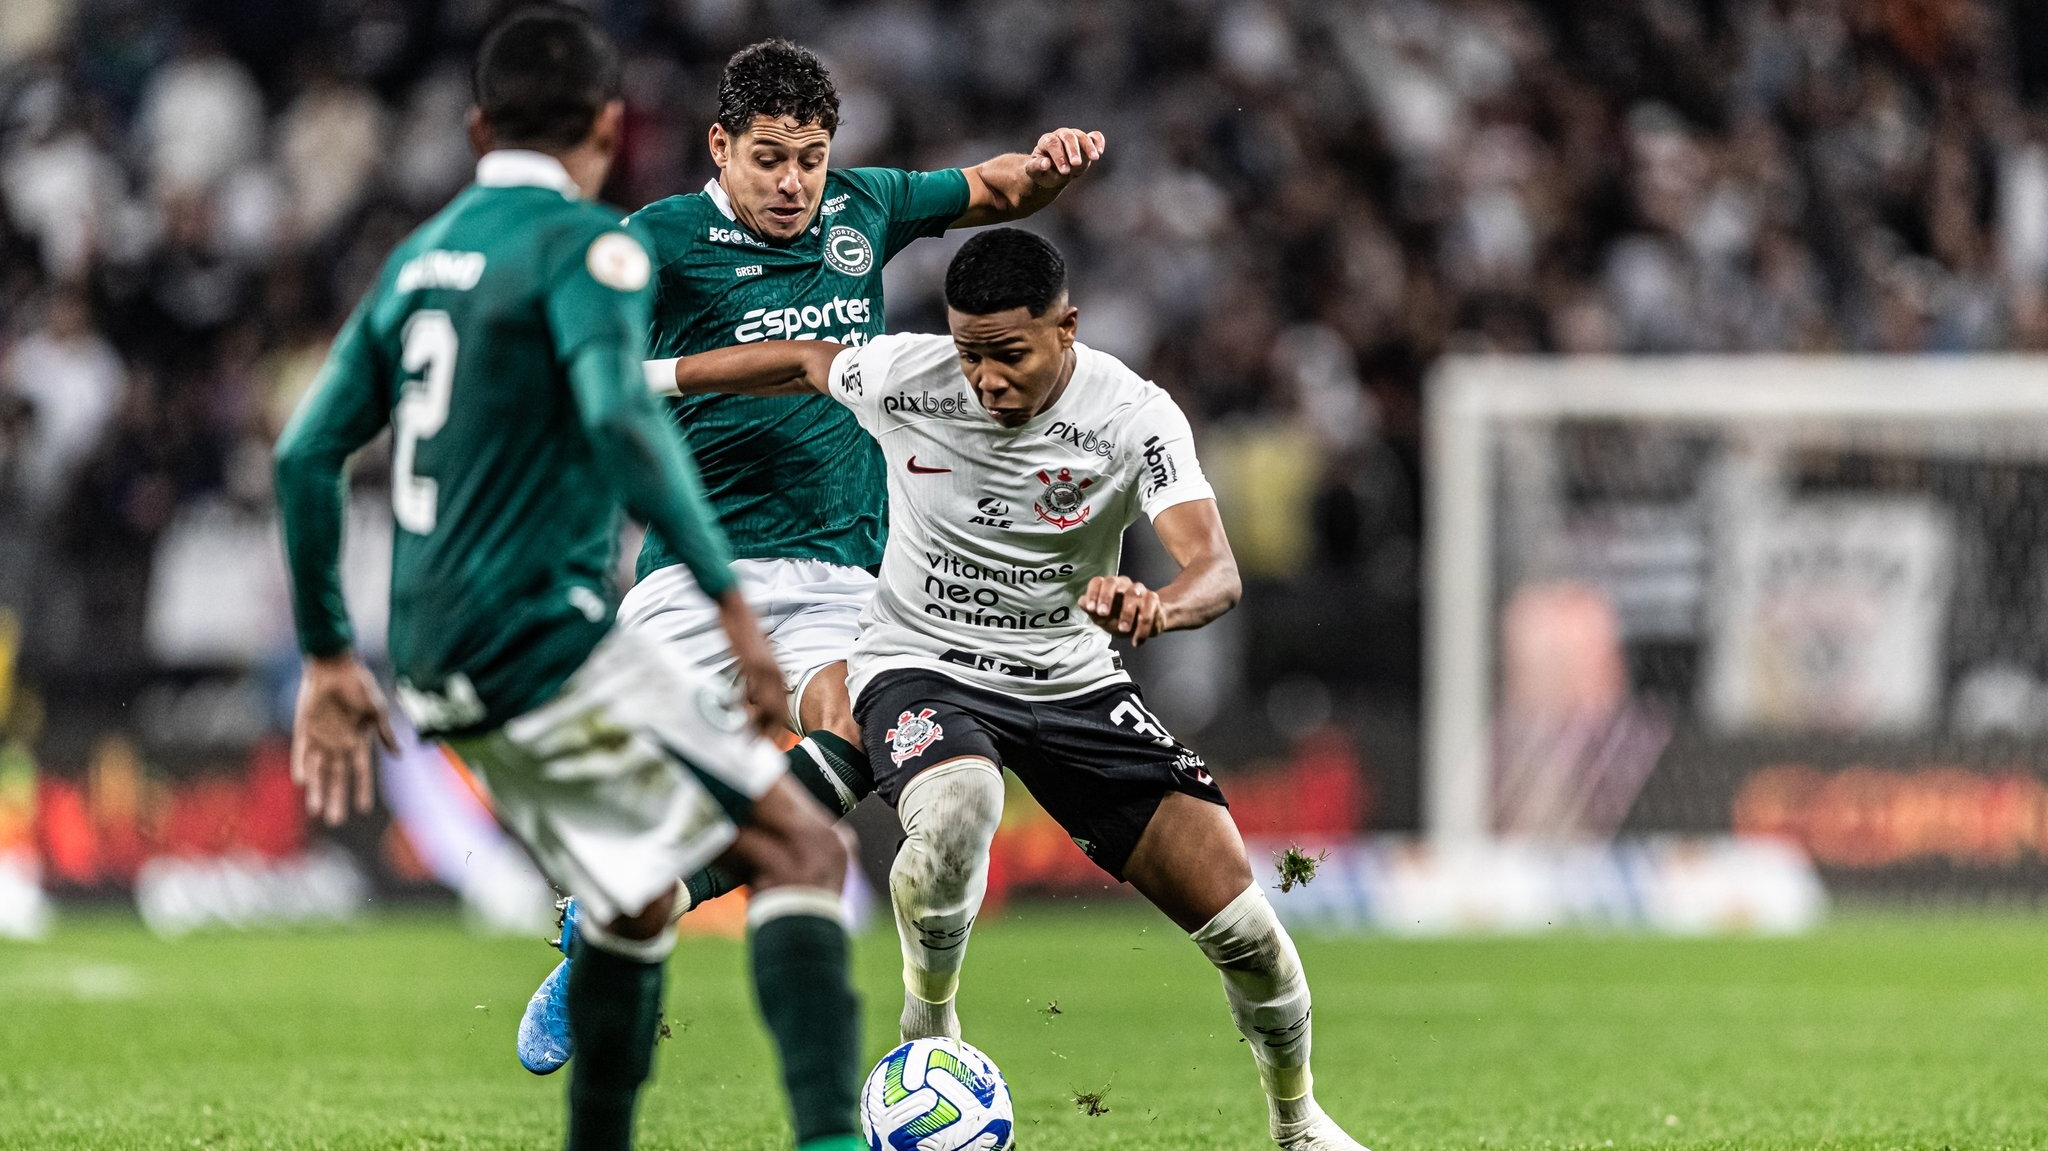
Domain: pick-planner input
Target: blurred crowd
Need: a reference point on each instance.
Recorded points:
(1307, 202)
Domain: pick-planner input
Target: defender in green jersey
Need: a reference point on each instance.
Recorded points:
(503, 344)
(783, 246)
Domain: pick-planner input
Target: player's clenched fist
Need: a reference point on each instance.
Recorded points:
(1062, 155)
(1121, 605)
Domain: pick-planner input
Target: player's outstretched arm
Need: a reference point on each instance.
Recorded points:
(1206, 587)
(1014, 185)
(339, 708)
(769, 368)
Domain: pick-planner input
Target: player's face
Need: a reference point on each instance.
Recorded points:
(1017, 363)
(774, 173)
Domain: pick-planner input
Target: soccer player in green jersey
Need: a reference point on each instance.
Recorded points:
(781, 245)
(503, 344)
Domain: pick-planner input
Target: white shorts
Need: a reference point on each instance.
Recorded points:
(810, 610)
(612, 788)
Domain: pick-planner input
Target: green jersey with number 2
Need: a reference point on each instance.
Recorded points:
(791, 476)
(503, 344)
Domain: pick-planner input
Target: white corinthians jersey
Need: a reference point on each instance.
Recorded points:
(994, 532)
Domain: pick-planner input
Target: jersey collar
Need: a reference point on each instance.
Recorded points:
(519, 168)
(719, 199)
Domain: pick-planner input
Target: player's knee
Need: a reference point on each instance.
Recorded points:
(1246, 937)
(842, 725)
(816, 857)
(800, 845)
(950, 813)
(646, 924)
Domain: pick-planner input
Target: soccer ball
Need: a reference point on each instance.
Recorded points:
(936, 1095)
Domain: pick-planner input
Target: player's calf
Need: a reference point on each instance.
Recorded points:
(796, 925)
(949, 814)
(832, 770)
(614, 1000)
(1191, 863)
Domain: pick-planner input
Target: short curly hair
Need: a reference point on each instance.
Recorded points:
(776, 78)
(1005, 268)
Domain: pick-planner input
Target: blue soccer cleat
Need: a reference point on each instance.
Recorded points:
(544, 1042)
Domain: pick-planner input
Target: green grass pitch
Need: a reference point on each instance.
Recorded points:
(1878, 1032)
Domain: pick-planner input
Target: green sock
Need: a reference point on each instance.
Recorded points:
(849, 782)
(614, 1011)
(847, 763)
(808, 1002)
(707, 884)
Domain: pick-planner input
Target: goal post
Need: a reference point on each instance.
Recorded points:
(1726, 566)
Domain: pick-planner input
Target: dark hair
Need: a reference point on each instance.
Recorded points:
(776, 78)
(1005, 268)
(542, 76)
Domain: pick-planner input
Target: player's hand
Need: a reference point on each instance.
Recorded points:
(1063, 155)
(339, 711)
(762, 693)
(1121, 605)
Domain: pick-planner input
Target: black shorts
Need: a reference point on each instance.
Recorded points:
(1098, 763)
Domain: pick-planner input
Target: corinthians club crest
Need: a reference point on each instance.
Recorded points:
(1060, 504)
(912, 734)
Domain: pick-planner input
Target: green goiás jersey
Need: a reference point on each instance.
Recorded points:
(791, 476)
(502, 343)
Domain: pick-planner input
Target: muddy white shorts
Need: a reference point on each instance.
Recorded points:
(638, 771)
(809, 609)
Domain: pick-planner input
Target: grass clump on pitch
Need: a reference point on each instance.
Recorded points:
(1903, 1032)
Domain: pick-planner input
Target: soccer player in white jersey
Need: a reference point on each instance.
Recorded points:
(1017, 457)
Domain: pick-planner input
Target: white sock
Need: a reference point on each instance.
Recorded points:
(1269, 1000)
(949, 816)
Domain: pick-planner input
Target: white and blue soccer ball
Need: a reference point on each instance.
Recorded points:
(936, 1095)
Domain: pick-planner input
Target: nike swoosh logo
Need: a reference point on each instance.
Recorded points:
(917, 470)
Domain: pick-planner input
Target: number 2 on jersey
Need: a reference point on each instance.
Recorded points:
(429, 346)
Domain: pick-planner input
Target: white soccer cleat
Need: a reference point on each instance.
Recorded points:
(1318, 1132)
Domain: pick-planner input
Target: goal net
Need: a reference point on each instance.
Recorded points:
(1803, 597)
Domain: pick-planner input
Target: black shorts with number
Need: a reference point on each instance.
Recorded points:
(1098, 763)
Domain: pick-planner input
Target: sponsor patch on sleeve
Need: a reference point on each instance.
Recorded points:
(617, 260)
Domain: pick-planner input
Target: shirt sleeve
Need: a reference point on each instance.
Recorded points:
(918, 204)
(598, 308)
(859, 375)
(1168, 472)
(347, 404)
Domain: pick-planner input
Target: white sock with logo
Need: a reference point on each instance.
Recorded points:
(949, 815)
(1269, 1000)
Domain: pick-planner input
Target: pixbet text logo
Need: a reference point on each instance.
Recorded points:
(1087, 440)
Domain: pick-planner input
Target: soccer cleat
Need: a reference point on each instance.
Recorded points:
(544, 1042)
(1318, 1132)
